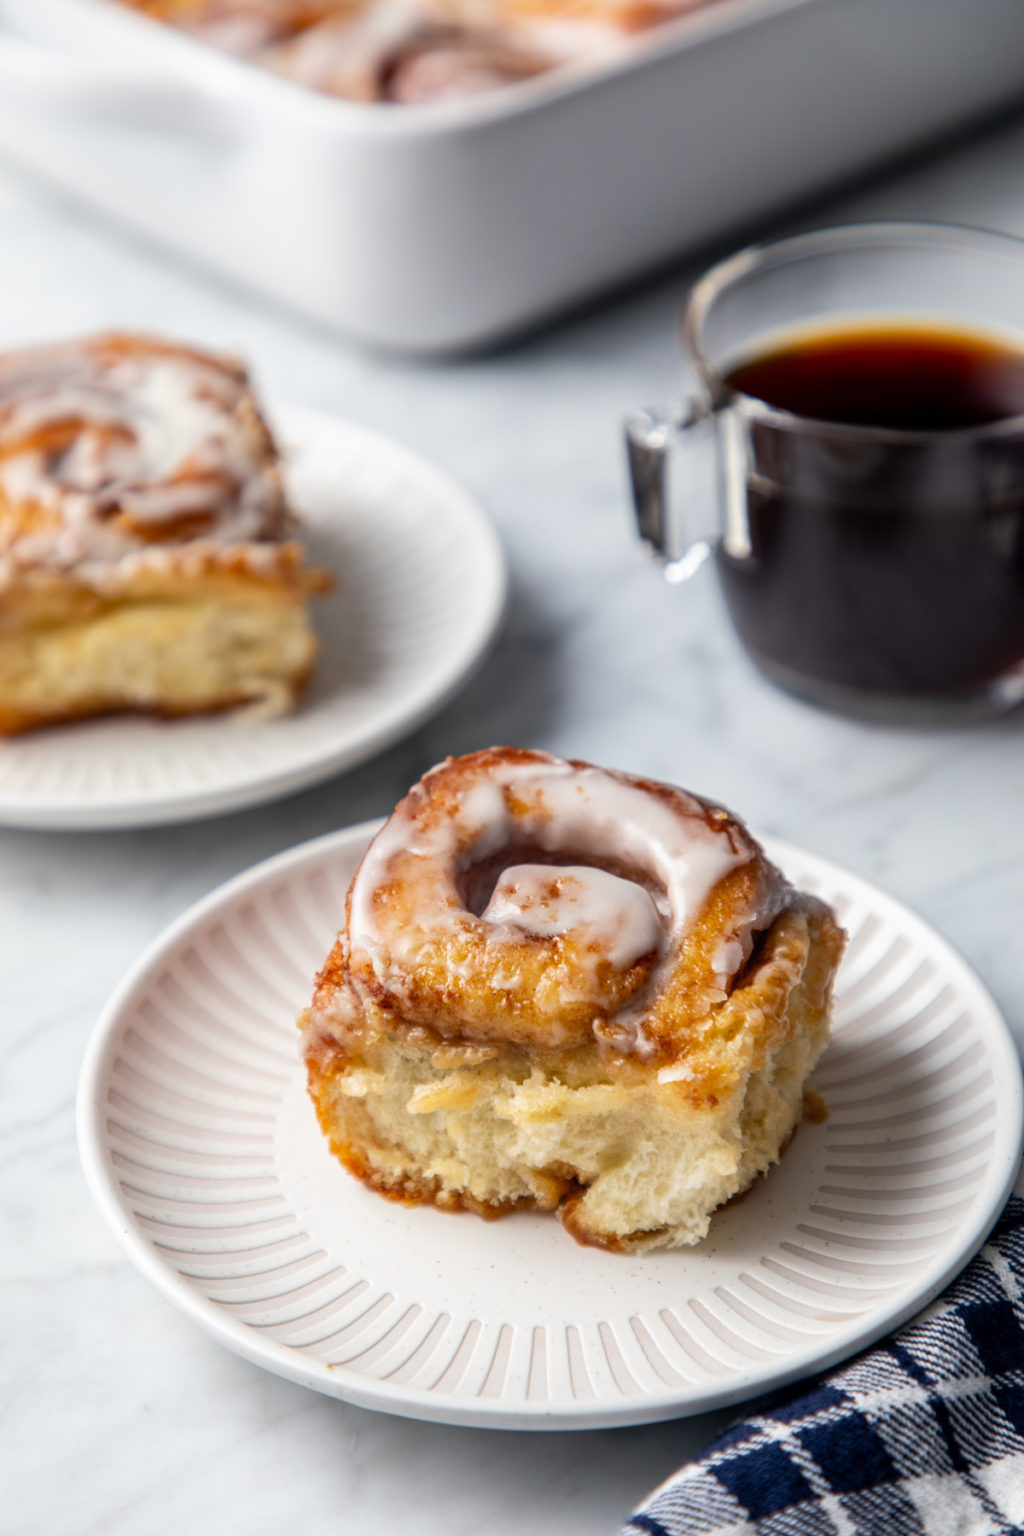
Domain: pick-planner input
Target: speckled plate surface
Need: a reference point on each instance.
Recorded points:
(420, 591)
(202, 1151)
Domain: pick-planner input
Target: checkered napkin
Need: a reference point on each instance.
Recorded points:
(921, 1436)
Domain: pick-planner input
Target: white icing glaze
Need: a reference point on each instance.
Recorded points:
(447, 71)
(678, 1072)
(729, 955)
(443, 48)
(135, 437)
(242, 35)
(614, 917)
(679, 850)
(344, 56)
(560, 808)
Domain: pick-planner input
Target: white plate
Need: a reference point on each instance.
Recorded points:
(421, 586)
(202, 1150)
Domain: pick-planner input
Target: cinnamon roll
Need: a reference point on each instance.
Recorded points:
(413, 51)
(147, 557)
(565, 988)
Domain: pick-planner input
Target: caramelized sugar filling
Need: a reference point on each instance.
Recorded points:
(476, 882)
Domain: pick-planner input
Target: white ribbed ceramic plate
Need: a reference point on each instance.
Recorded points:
(420, 592)
(201, 1148)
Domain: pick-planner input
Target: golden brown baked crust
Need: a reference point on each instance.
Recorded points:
(492, 1057)
(147, 555)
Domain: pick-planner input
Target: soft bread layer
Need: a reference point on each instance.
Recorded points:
(158, 654)
(632, 1156)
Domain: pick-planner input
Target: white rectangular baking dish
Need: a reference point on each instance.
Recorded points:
(449, 226)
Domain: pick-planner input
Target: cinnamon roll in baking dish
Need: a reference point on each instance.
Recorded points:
(568, 989)
(412, 51)
(146, 557)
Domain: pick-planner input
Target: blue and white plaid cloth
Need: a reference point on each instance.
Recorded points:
(920, 1436)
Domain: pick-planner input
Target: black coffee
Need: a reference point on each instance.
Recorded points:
(890, 564)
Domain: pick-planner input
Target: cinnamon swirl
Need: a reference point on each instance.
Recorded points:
(146, 561)
(413, 51)
(569, 989)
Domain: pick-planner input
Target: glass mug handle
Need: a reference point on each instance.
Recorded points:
(676, 516)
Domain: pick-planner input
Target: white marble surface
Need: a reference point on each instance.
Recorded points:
(119, 1416)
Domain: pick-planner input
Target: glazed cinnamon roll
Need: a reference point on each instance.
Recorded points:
(147, 557)
(565, 988)
(413, 51)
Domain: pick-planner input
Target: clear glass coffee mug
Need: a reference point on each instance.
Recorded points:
(871, 568)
